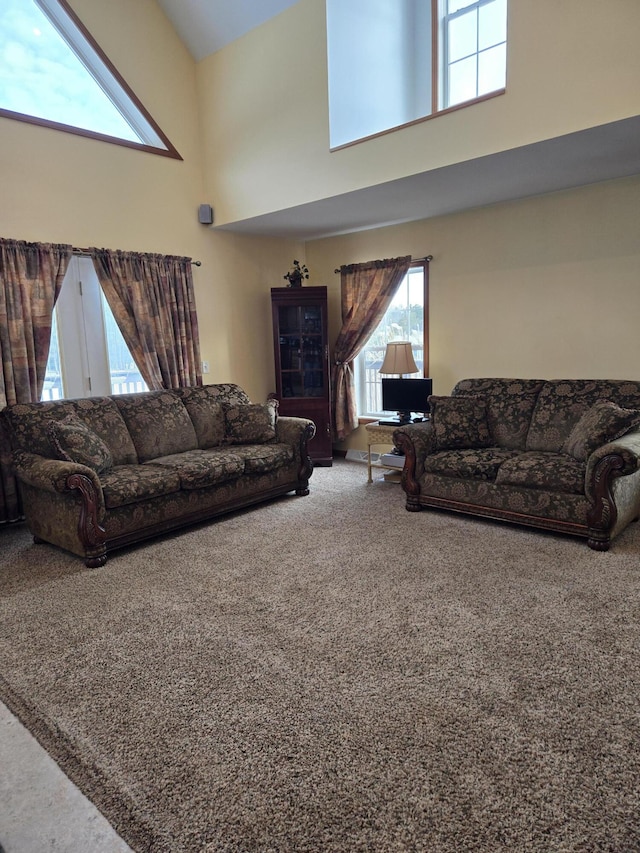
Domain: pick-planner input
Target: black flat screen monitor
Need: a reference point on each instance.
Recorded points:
(406, 395)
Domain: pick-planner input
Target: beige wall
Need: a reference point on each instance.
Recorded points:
(541, 287)
(57, 187)
(571, 65)
(546, 287)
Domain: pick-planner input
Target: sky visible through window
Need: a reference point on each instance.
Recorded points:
(40, 75)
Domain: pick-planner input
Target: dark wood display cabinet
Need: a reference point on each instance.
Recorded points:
(301, 352)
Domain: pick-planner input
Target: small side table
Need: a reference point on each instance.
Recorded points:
(378, 434)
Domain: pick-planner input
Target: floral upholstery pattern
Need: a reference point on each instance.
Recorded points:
(127, 484)
(592, 491)
(562, 403)
(559, 506)
(197, 469)
(602, 423)
(259, 458)
(28, 423)
(205, 405)
(459, 422)
(74, 507)
(75, 442)
(158, 422)
(253, 423)
(480, 464)
(510, 403)
(555, 472)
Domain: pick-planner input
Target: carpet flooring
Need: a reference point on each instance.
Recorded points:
(332, 674)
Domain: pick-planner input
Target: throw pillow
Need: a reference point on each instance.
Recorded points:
(459, 422)
(251, 423)
(603, 422)
(75, 442)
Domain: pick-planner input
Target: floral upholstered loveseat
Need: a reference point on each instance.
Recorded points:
(562, 455)
(99, 473)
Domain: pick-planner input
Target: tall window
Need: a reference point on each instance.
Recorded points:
(52, 72)
(382, 57)
(88, 355)
(405, 320)
(474, 49)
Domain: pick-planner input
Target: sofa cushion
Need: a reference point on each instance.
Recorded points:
(198, 469)
(459, 422)
(602, 423)
(253, 423)
(554, 472)
(103, 416)
(562, 402)
(477, 464)
(158, 422)
(510, 403)
(126, 484)
(73, 441)
(206, 411)
(259, 458)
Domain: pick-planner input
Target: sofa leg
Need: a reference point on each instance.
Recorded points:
(600, 542)
(413, 504)
(302, 492)
(97, 559)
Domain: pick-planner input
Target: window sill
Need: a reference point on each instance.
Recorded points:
(437, 114)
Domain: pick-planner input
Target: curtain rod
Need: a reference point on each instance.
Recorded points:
(424, 260)
(87, 254)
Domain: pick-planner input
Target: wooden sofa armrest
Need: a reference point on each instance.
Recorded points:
(619, 458)
(298, 432)
(67, 478)
(416, 441)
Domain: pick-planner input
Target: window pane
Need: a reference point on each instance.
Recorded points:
(404, 320)
(463, 36)
(125, 376)
(42, 77)
(492, 69)
(462, 81)
(492, 28)
(52, 388)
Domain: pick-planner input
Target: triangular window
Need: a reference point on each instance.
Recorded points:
(53, 73)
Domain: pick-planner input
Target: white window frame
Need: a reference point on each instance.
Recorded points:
(359, 364)
(81, 43)
(81, 316)
(444, 18)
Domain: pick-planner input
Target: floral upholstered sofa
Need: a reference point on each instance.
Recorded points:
(562, 455)
(99, 473)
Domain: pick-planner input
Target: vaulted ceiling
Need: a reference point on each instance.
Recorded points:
(597, 154)
(208, 25)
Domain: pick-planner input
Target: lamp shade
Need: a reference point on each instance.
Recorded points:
(398, 359)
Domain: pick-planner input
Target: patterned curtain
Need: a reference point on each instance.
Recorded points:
(367, 291)
(31, 276)
(152, 300)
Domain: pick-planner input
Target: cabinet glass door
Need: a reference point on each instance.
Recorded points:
(301, 351)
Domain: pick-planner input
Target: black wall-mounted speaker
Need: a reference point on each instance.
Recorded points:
(205, 214)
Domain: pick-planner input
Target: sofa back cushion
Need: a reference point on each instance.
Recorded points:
(459, 422)
(562, 402)
(205, 405)
(158, 423)
(510, 404)
(29, 423)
